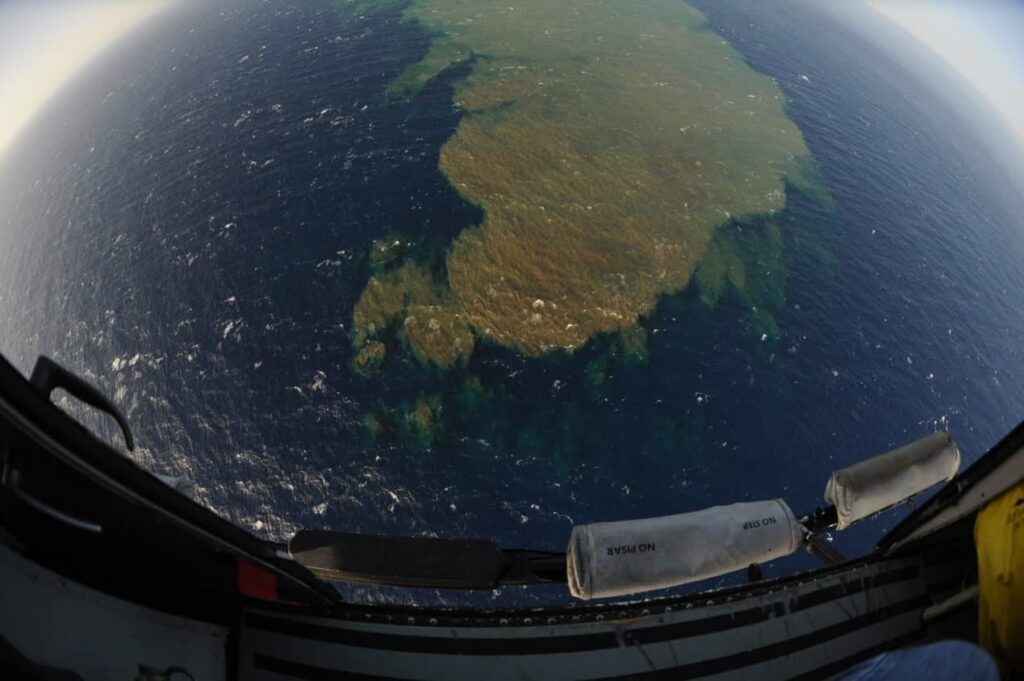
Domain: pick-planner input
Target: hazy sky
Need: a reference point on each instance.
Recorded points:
(43, 43)
(982, 39)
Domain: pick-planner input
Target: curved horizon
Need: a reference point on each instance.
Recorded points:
(978, 40)
(43, 46)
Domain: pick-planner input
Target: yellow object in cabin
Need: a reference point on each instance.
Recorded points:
(999, 538)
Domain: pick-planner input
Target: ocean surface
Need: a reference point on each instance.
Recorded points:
(188, 225)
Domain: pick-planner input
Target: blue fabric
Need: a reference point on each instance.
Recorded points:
(957, 660)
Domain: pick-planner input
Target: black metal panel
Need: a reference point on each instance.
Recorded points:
(148, 543)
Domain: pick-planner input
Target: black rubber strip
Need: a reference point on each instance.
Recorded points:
(831, 593)
(431, 644)
(842, 665)
(542, 645)
(798, 603)
(789, 646)
(533, 645)
(695, 669)
(435, 645)
(708, 625)
(893, 576)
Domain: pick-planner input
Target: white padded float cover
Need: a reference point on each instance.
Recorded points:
(632, 556)
(874, 485)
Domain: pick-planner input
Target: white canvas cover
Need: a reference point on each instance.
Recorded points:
(871, 486)
(633, 556)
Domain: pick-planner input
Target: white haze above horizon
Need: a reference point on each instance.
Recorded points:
(44, 43)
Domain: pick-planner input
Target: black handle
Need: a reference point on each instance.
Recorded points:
(422, 561)
(47, 376)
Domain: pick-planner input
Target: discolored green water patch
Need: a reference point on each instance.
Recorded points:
(751, 259)
(408, 302)
(443, 54)
(386, 254)
(606, 142)
(640, 392)
(422, 423)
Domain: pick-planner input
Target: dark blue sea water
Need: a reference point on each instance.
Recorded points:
(187, 226)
